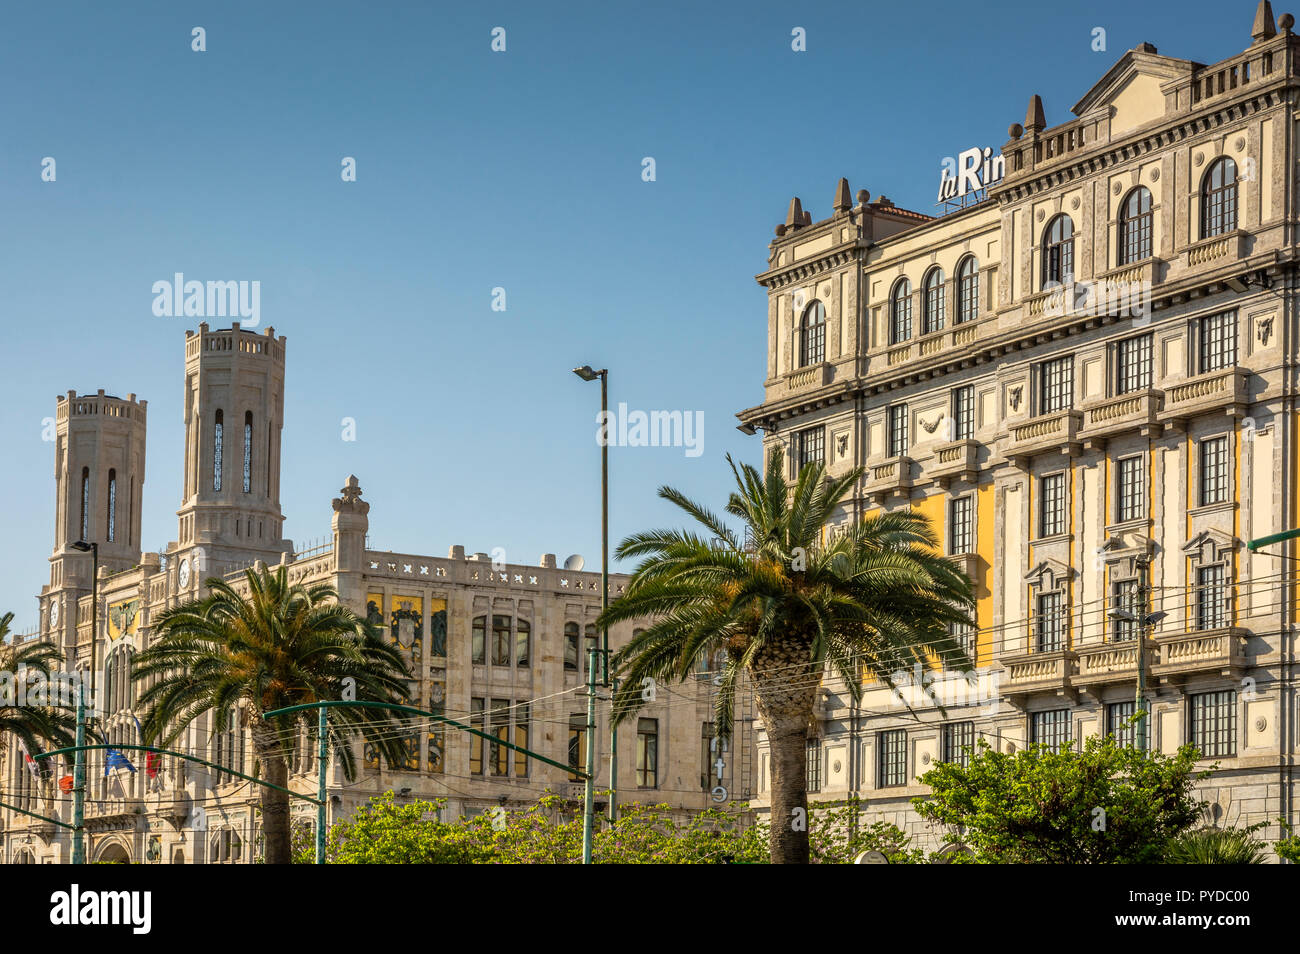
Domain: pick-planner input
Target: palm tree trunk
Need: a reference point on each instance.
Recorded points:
(275, 804)
(785, 689)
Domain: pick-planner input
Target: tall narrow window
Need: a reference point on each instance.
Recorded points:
(812, 446)
(900, 312)
(892, 763)
(1050, 623)
(961, 525)
(813, 764)
(500, 720)
(1133, 364)
(523, 642)
(501, 640)
(478, 640)
(217, 440)
(958, 742)
(968, 290)
(577, 744)
(812, 335)
(1218, 341)
(1123, 597)
(898, 436)
(933, 290)
(1052, 505)
(248, 451)
(1135, 227)
(1058, 252)
(1219, 198)
(130, 514)
(1056, 385)
(647, 753)
(112, 505)
(1211, 597)
(85, 503)
(963, 413)
(1214, 471)
(1118, 724)
(590, 642)
(1130, 490)
(522, 720)
(476, 716)
(571, 647)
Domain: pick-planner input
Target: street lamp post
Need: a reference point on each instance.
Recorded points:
(587, 374)
(79, 771)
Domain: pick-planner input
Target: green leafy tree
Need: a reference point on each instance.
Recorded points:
(788, 610)
(280, 646)
(1106, 803)
(1217, 846)
(33, 725)
(1288, 848)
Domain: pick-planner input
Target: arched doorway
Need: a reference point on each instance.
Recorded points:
(114, 853)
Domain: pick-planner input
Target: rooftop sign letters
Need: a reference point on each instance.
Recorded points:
(974, 171)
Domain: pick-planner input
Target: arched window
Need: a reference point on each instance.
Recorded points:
(112, 505)
(248, 451)
(935, 301)
(1219, 198)
(85, 503)
(968, 289)
(217, 439)
(900, 312)
(1058, 252)
(1135, 227)
(571, 635)
(812, 335)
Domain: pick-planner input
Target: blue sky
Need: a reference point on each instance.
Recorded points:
(475, 170)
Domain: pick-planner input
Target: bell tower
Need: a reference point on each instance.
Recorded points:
(234, 409)
(99, 486)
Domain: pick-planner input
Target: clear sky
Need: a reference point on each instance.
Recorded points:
(476, 170)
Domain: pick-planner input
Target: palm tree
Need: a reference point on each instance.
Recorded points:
(787, 610)
(280, 646)
(33, 725)
(1215, 846)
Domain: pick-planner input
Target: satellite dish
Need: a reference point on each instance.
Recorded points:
(575, 563)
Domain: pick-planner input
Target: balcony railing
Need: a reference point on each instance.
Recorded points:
(893, 476)
(1125, 413)
(1057, 431)
(1221, 392)
(1028, 673)
(1107, 663)
(814, 376)
(954, 460)
(1219, 651)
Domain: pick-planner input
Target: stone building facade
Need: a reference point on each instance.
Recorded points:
(1086, 378)
(496, 645)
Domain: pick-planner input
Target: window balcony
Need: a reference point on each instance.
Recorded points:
(893, 476)
(1058, 432)
(1108, 664)
(1219, 392)
(1203, 652)
(956, 460)
(1219, 250)
(1124, 414)
(1030, 673)
(804, 379)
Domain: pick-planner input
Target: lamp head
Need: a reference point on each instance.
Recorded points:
(586, 373)
(749, 429)
(83, 546)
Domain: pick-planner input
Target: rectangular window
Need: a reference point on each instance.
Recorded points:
(813, 763)
(812, 446)
(1050, 728)
(958, 742)
(577, 744)
(571, 647)
(1133, 364)
(898, 436)
(1118, 715)
(1218, 341)
(1049, 621)
(1056, 385)
(964, 634)
(1123, 597)
(1214, 723)
(647, 753)
(498, 756)
(1211, 597)
(501, 640)
(1130, 489)
(892, 761)
(708, 758)
(523, 642)
(961, 525)
(1052, 504)
(478, 640)
(523, 721)
(1214, 471)
(476, 721)
(963, 413)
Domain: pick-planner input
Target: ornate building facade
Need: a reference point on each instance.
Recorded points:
(498, 646)
(1086, 377)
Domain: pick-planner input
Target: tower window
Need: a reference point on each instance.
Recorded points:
(812, 335)
(112, 505)
(1219, 198)
(1058, 251)
(248, 451)
(85, 503)
(216, 452)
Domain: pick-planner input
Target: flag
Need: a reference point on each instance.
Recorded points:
(66, 783)
(152, 761)
(116, 760)
(31, 763)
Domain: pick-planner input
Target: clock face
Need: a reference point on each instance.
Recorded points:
(183, 574)
(54, 614)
